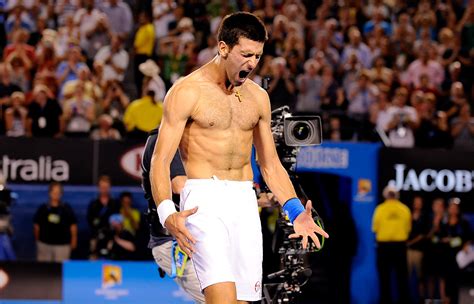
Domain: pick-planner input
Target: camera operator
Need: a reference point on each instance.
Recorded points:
(161, 241)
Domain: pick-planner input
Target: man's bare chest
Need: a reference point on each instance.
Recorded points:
(222, 112)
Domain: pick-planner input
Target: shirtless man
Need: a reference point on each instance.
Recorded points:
(214, 115)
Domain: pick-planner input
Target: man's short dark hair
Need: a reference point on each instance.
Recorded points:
(241, 24)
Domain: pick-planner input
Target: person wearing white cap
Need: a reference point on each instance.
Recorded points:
(152, 80)
(392, 224)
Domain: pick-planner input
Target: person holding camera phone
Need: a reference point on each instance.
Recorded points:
(214, 115)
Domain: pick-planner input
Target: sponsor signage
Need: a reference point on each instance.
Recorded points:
(42, 160)
(118, 282)
(69, 161)
(430, 173)
(122, 161)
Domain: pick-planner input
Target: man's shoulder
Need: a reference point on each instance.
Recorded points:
(256, 89)
(189, 86)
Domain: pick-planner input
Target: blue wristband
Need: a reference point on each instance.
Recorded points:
(293, 207)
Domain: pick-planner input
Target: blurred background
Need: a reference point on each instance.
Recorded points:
(82, 83)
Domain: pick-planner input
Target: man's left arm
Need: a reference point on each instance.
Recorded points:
(278, 180)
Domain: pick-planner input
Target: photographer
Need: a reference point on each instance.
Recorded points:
(402, 121)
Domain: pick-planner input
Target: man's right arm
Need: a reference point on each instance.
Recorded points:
(179, 105)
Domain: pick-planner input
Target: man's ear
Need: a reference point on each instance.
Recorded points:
(224, 49)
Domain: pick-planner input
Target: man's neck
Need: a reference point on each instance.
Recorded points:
(218, 75)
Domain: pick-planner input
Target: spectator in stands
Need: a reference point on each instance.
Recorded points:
(332, 97)
(64, 9)
(19, 46)
(68, 69)
(436, 252)
(377, 20)
(6, 90)
(86, 19)
(47, 60)
(97, 37)
(152, 80)
(114, 60)
(357, 46)
(361, 96)
(462, 128)
(417, 243)
(91, 90)
(55, 227)
(205, 55)
(175, 60)
(404, 30)
(68, 36)
(163, 16)
(391, 224)
(143, 45)
(15, 116)
(448, 48)
(331, 55)
(114, 103)
(465, 27)
(44, 114)
(402, 121)
(131, 216)
(457, 233)
(105, 129)
(379, 110)
(79, 113)
(18, 18)
(308, 85)
(120, 17)
(380, 73)
(424, 65)
(282, 87)
(98, 214)
(433, 131)
(337, 129)
(143, 115)
(456, 100)
(121, 245)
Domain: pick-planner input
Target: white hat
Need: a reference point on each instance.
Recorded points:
(149, 68)
(390, 191)
(185, 22)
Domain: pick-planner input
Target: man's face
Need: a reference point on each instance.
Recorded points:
(104, 187)
(241, 60)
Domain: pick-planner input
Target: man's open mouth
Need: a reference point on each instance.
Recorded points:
(244, 74)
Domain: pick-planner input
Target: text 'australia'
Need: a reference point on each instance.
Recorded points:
(30, 170)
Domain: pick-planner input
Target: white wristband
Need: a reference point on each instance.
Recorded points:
(165, 209)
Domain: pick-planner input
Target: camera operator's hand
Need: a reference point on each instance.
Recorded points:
(305, 227)
(175, 223)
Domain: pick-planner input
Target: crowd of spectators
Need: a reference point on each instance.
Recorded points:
(393, 71)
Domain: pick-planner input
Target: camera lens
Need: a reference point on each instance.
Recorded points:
(301, 131)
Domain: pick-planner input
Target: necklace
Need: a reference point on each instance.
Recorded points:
(238, 95)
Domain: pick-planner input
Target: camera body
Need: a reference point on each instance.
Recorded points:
(295, 131)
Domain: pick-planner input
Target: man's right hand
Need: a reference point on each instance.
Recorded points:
(176, 225)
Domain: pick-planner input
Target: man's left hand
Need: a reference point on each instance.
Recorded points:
(305, 227)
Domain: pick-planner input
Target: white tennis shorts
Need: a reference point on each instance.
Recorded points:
(228, 234)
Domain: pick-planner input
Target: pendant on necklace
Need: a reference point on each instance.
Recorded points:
(238, 95)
